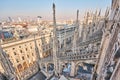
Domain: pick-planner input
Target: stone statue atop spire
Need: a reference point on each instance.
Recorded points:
(77, 16)
(76, 33)
(55, 43)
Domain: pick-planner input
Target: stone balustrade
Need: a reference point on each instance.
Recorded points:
(84, 51)
(50, 58)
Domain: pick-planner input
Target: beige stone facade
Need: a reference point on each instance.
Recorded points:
(23, 56)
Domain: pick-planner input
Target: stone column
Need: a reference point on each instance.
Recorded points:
(59, 67)
(104, 47)
(55, 42)
(72, 73)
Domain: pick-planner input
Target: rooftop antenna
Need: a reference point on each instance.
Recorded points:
(38, 19)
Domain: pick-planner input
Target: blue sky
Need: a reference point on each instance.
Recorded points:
(65, 9)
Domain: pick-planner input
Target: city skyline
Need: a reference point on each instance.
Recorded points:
(59, 39)
(64, 9)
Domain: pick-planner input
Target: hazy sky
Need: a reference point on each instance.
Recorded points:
(66, 9)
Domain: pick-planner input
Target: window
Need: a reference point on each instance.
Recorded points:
(42, 43)
(28, 56)
(21, 51)
(26, 49)
(8, 55)
(17, 60)
(14, 53)
(32, 54)
(93, 30)
(13, 48)
(23, 58)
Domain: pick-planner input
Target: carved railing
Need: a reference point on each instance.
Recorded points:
(86, 56)
(93, 40)
(50, 58)
(81, 54)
